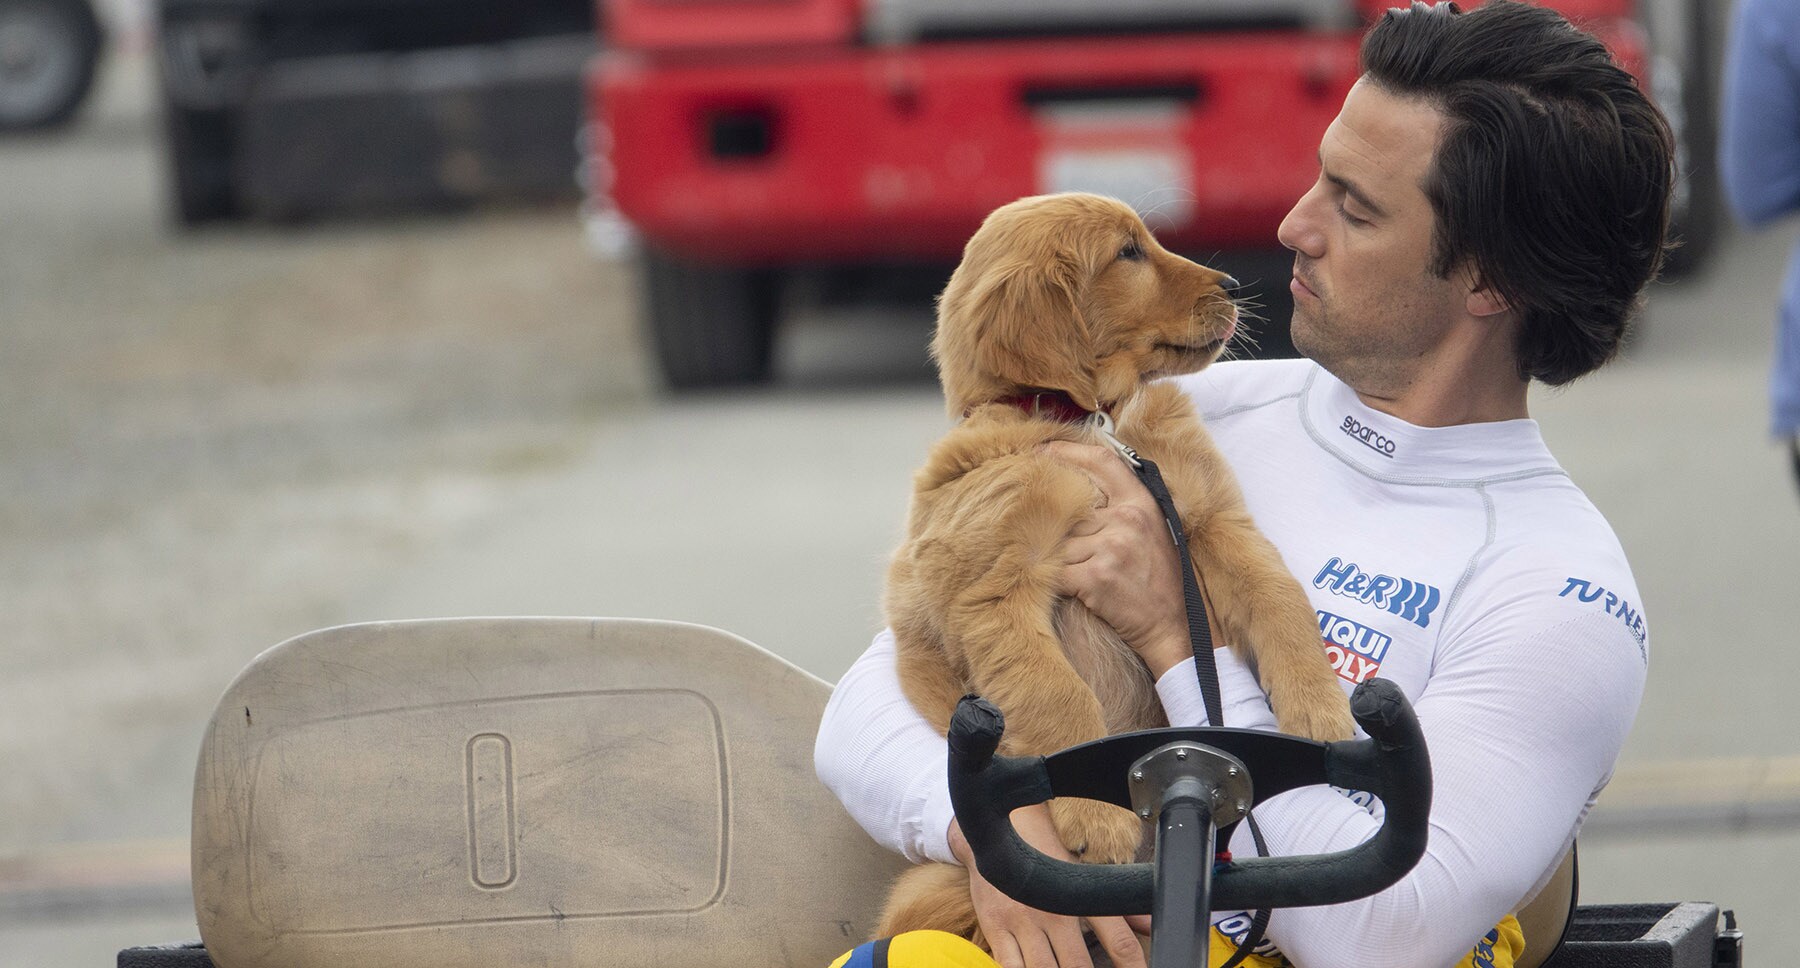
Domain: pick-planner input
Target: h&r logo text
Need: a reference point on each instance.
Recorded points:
(1411, 600)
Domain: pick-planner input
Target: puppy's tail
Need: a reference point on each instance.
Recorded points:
(931, 896)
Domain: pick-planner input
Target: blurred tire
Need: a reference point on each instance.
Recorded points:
(710, 326)
(199, 146)
(49, 51)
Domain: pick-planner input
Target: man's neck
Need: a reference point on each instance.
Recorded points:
(1471, 375)
(1434, 403)
(1474, 380)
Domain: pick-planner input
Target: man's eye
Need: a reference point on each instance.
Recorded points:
(1132, 251)
(1353, 220)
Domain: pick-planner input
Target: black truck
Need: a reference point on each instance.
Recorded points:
(284, 109)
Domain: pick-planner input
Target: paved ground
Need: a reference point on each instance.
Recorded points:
(210, 443)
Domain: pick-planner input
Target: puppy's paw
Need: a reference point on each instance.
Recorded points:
(1095, 832)
(1312, 706)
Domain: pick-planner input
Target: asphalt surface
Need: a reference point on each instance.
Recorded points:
(211, 442)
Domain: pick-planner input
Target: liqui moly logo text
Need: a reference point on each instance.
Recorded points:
(1411, 600)
(1355, 650)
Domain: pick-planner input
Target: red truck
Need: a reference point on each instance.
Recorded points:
(745, 140)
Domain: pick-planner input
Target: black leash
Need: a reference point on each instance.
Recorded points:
(1199, 629)
(1259, 922)
(1200, 635)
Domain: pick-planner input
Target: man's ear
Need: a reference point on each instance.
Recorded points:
(1483, 298)
(1486, 302)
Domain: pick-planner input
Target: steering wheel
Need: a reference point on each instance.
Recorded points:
(1192, 783)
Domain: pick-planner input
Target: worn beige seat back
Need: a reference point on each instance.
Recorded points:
(481, 793)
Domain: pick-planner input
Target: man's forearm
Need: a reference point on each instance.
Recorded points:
(884, 761)
(1167, 652)
(1241, 697)
(1535, 715)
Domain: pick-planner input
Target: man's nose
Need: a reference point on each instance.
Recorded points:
(1297, 230)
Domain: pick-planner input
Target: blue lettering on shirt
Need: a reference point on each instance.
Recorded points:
(1627, 614)
(1411, 600)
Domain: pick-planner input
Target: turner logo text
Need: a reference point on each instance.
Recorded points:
(1618, 607)
(1368, 436)
(1411, 600)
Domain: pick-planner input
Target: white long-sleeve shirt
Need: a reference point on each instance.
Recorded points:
(1459, 562)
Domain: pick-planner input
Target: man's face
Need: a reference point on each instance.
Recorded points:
(1367, 306)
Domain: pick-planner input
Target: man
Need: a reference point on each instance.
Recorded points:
(1492, 199)
(1759, 159)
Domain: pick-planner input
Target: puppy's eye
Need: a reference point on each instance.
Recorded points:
(1132, 250)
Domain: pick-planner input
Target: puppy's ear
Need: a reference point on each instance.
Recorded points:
(1025, 327)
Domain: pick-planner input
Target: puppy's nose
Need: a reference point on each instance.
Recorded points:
(1228, 283)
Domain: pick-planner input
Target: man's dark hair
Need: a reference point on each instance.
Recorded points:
(1553, 174)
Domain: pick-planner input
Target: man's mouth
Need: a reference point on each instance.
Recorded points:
(1299, 287)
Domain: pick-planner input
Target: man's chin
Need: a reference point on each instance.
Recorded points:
(1302, 332)
(1315, 343)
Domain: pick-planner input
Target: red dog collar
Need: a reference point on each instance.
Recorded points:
(1054, 404)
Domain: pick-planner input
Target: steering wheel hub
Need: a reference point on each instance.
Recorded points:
(1222, 780)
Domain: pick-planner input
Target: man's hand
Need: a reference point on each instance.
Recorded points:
(1121, 560)
(1023, 937)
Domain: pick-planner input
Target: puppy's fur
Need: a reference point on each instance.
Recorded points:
(1072, 293)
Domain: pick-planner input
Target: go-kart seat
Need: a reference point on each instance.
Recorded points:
(479, 792)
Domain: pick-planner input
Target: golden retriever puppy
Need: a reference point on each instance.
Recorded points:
(1064, 305)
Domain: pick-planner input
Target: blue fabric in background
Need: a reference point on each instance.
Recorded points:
(1759, 161)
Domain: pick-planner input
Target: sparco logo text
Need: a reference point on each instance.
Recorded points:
(1368, 437)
